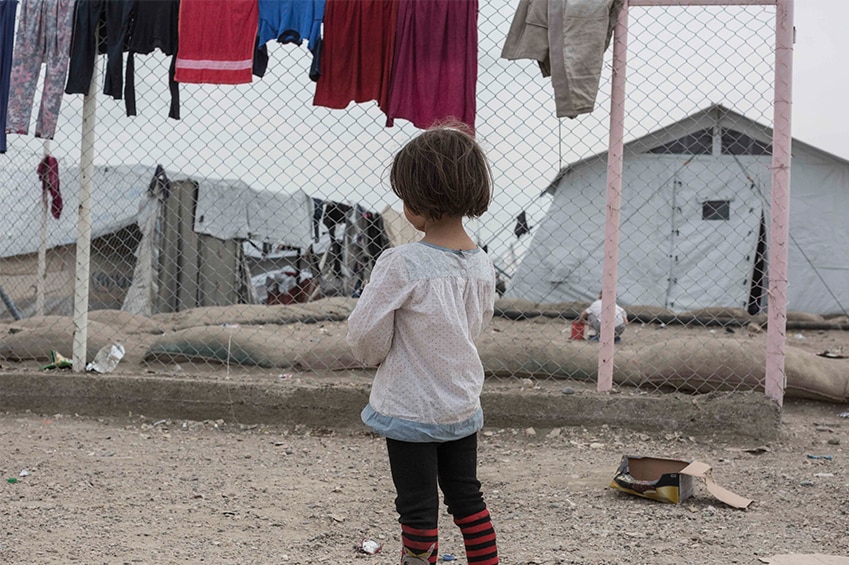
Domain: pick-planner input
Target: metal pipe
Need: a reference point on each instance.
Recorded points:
(614, 200)
(643, 3)
(82, 271)
(780, 209)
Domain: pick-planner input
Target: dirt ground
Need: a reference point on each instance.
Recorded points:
(141, 490)
(134, 490)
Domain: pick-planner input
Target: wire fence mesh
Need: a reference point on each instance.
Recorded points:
(248, 247)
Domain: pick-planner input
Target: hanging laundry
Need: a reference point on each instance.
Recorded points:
(217, 39)
(100, 27)
(357, 52)
(528, 35)
(435, 71)
(568, 39)
(44, 33)
(48, 173)
(155, 27)
(290, 21)
(7, 43)
(522, 226)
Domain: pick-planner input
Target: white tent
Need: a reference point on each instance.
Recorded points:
(694, 221)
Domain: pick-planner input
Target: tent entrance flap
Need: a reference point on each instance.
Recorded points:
(715, 221)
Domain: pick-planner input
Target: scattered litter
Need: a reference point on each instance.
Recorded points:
(11, 480)
(107, 358)
(286, 376)
(669, 480)
(835, 353)
(843, 415)
(369, 546)
(229, 325)
(825, 457)
(25, 473)
(799, 336)
(58, 361)
(568, 390)
(806, 483)
(823, 475)
(448, 557)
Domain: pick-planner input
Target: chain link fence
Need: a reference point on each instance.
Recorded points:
(239, 236)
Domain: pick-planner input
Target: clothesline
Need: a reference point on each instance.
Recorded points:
(418, 59)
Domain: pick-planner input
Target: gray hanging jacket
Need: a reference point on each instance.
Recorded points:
(568, 39)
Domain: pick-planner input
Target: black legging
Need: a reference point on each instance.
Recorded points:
(417, 469)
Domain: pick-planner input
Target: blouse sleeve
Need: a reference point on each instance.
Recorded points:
(372, 323)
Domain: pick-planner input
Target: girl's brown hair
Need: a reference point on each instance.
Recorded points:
(443, 171)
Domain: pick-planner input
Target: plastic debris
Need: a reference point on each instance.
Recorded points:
(825, 457)
(11, 480)
(58, 361)
(843, 415)
(448, 557)
(369, 546)
(836, 353)
(25, 473)
(106, 359)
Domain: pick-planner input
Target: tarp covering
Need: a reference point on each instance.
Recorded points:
(230, 209)
(118, 192)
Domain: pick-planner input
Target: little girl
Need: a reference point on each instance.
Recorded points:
(418, 319)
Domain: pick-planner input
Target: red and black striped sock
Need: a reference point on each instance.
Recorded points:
(479, 538)
(420, 543)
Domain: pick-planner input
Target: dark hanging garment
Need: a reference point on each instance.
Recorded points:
(7, 34)
(100, 27)
(376, 239)
(48, 173)
(335, 214)
(155, 27)
(522, 226)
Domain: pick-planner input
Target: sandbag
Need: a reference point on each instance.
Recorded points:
(128, 323)
(329, 353)
(726, 364)
(247, 345)
(33, 338)
(570, 359)
(330, 309)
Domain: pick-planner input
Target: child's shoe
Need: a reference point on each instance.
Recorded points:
(412, 559)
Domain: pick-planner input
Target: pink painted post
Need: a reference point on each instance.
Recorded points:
(702, 2)
(614, 199)
(780, 210)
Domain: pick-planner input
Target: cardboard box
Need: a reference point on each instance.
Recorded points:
(669, 480)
